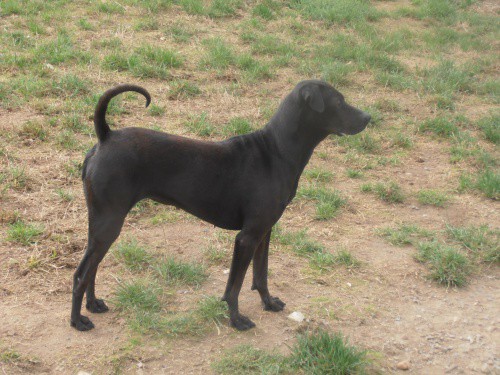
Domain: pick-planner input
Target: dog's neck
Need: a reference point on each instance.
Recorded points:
(292, 133)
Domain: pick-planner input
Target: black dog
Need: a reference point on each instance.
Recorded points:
(243, 183)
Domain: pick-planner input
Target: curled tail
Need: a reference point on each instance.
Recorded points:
(101, 127)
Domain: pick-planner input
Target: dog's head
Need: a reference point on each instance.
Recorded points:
(326, 108)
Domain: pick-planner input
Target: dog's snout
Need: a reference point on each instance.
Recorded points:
(366, 117)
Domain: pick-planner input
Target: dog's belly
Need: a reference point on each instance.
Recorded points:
(218, 214)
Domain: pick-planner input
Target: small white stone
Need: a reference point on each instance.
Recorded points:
(296, 316)
(349, 285)
(83, 373)
(225, 272)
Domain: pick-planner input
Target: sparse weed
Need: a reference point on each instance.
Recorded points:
(432, 198)
(328, 203)
(325, 261)
(363, 143)
(389, 192)
(245, 359)
(488, 182)
(354, 173)
(482, 241)
(138, 295)
(33, 129)
(174, 272)
(182, 89)
(24, 233)
(318, 175)
(64, 195)
(218, 55)
(405, 234)
(135, 257)
(448, 265)
(156, 110)
(441, 126)
(321, 352)
(201, 126)
(490, 127)
(339, 12)
(237, 126)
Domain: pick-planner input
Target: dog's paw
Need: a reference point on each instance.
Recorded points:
(96, 306)
(242, 323)
(274, 304)
(82, 323)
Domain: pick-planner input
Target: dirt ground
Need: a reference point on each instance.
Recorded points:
(387, 305)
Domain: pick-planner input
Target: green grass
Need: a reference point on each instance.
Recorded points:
(328, 203)
(134, 256)
(200, 125)
(300, 243)
(389, 192)
(145, 62)
(32, 129)
(155, 110)
(245, 359)
(490, 126)
(441, 126)
(447, 78)
(404, 234)
(182, 89)
(338, 12)
(138, 295)
(324, 261)
(218, 54)
(488, 182)
(432, 197)
(318, 352)
(172, 272)
(363, 143)
(9, 356)
(209, 313)
(318, 175)
(354, 173)
(482, 241)
(485, 181)
(237, 126)
(448, 265)
(24, 233)
(322, 352)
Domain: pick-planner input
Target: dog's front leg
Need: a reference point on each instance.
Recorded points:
(260, 261)
(244, 248)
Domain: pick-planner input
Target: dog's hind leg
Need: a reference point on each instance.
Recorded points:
(260, 261)
(244, 249)
(103, 231)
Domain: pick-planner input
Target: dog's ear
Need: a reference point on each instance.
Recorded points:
(312, 96)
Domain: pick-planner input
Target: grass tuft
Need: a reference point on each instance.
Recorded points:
(135, 257)
(138, 295)
(324, 261)
(448, 265)
(173, 272)
(201, 126)
(405, 234)
(328, 203)
(245, 359)
(24, 233)
(237, 126)
(388, 192)
(322, 352)
(432, 198)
